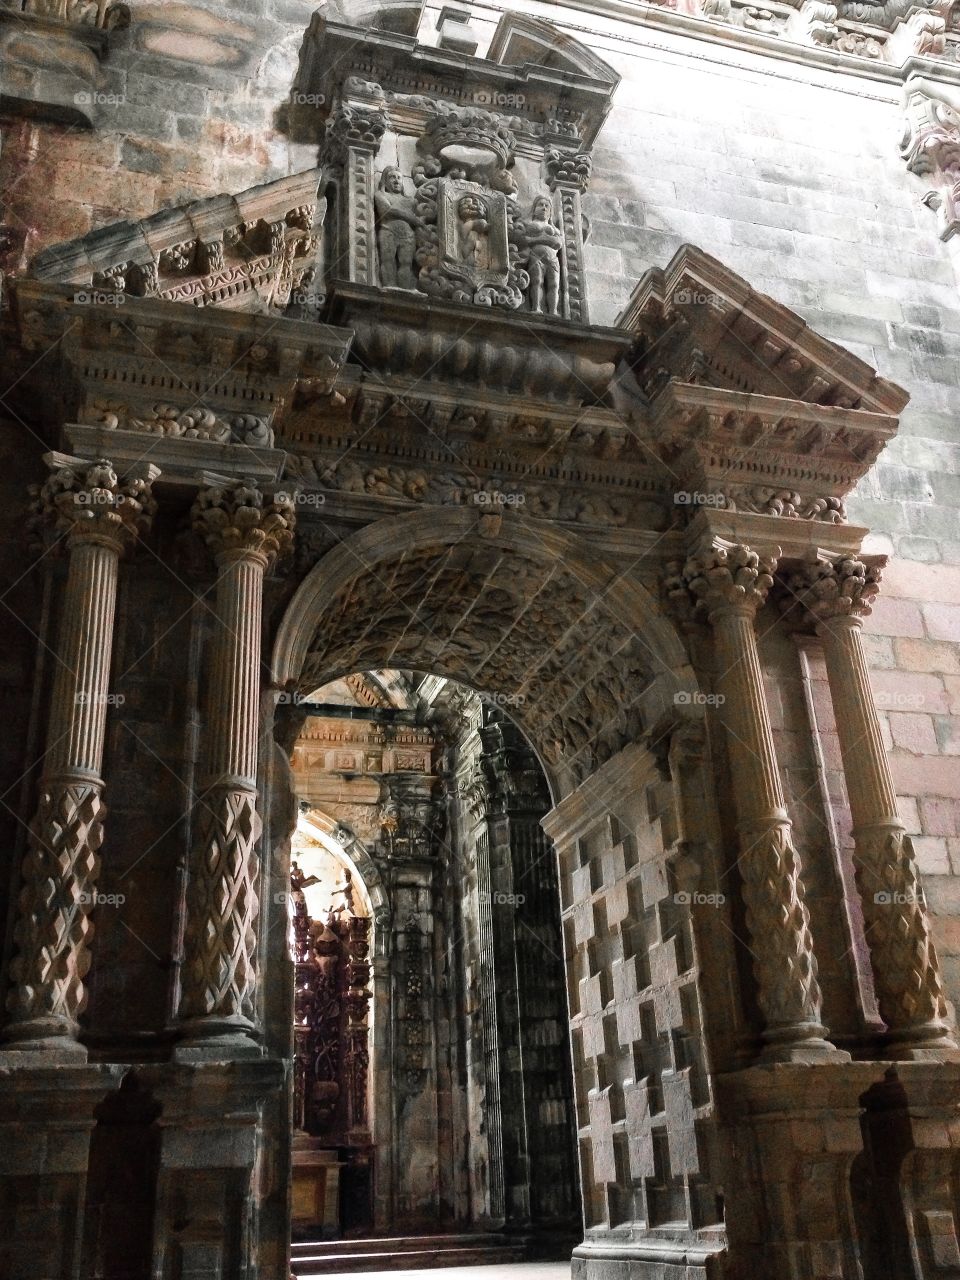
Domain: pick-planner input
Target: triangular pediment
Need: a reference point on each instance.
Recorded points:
(520, 41)
(697, 322)
(245, 252)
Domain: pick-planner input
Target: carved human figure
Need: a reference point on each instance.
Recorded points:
(474, 229)
(396, 238)
(544, 242)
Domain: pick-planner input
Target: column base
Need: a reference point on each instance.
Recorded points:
(930, 1043)
(806, 1042)
(217, 1040)
(40, 1042)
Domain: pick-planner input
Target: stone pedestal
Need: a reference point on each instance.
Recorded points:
(46, 1121)
(316, 1187)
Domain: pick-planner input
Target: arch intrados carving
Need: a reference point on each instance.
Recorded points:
(630, 606)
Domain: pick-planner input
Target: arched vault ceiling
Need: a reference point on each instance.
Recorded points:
(526, 630)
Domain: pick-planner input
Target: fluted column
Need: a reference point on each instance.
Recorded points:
(244, 530)
(836, 598)
(99, 513)
(730, 583)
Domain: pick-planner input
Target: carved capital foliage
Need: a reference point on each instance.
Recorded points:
(931, 146)
(360, 128)
(90, 501)
(222, 905)
(723, 576)
(53, 930)
(240, 519)
(820, 590)
(568, 169)
(906, 970)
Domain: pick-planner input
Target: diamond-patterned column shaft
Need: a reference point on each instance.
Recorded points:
(731, 583)
(99, 513)
(245, 532)
(906, 968)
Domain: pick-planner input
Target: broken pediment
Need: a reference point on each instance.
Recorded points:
(698, 322)
(246, 252)
(539, 76)
(742, 401)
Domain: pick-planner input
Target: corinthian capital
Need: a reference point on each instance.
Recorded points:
(721, 575)
(361, 128)
(821, 591)
(568, 169)
(91, 502)
(239, 519)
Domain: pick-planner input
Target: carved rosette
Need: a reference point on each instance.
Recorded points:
(835, 597)
(97, 513)
(730, 583)
(244, 529)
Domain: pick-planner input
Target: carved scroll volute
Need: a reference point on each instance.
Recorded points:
(835, 598)
(101, 511)
(245, 530)
(353, 138)
(568, 173)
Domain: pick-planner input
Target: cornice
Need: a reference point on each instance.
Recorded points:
(695, 30)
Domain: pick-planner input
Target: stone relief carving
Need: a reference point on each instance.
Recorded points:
(269, 257)
(931, 146)
(543, 242)
(91, 13)
(396, 231)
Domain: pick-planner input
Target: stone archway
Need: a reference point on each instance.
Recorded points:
(474, 597)
(582, 657)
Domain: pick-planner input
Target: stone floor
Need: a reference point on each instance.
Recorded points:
(518, 1271)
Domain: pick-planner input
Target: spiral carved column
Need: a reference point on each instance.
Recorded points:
(100, 514)
(836, 598)
(730, 584)
(244, 530)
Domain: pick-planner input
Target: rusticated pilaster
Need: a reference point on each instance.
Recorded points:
(353, 139)
(244, 530)
(730, 583)
(836, 597)
(96, 514)
(568, 174)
